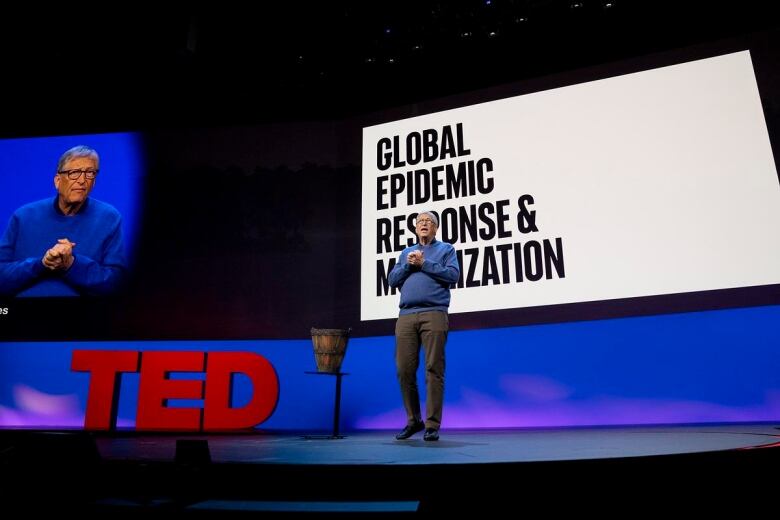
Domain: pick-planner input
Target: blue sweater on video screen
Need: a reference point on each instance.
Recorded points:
(99, 259)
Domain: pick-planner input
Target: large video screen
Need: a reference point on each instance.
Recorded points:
(657, 182)
(80, 194)
(642, 187)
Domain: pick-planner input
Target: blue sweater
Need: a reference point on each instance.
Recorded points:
(98, 257)
(426, 288)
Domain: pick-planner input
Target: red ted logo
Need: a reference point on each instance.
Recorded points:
(155, 389)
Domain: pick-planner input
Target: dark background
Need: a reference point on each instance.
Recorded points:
(73, 69)
(253, 118)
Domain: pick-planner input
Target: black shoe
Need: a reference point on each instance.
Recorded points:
(410, 430)
(431, 434)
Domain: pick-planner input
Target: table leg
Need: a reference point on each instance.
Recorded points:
(337, 408)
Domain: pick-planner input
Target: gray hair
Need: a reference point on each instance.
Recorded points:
(431, 214)
(78, 151)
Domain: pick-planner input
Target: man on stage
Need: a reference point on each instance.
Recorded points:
(423, 274)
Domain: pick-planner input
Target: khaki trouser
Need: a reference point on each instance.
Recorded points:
(430, 330)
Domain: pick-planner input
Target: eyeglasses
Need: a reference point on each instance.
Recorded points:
(75, 174)
(424, 221)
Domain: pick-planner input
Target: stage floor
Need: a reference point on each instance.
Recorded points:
(454, 447)
(603, 471)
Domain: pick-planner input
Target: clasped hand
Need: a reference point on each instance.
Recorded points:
(415, 258)
(60, 256)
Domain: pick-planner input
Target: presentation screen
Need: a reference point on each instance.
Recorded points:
(640, 187)
(652, 183)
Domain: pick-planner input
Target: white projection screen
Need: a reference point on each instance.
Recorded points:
(652, 183)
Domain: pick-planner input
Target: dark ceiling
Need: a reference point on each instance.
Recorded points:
(71, 70)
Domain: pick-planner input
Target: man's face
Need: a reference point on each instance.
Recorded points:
(73, 191)
(425, 226)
